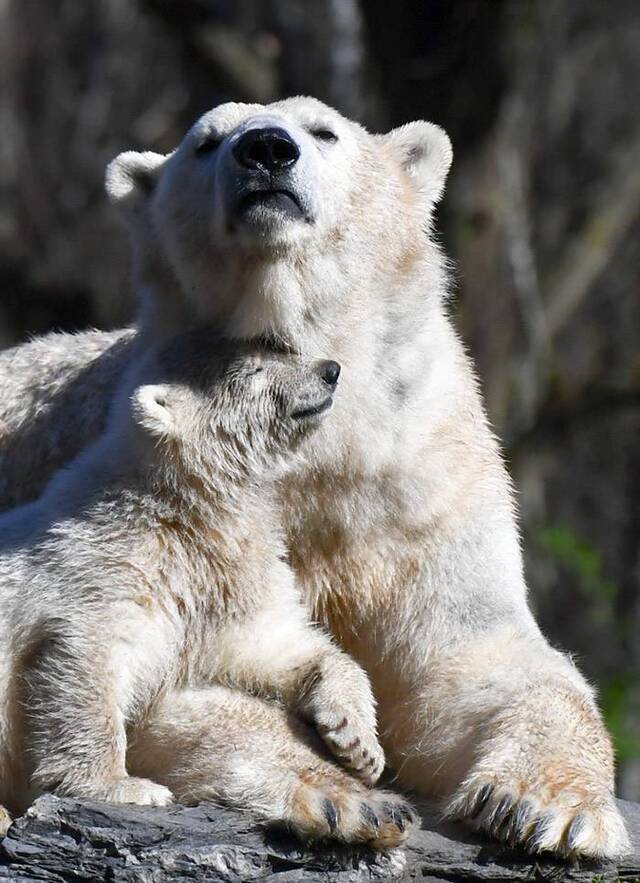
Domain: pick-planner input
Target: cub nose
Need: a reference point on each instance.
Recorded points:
(329, 372)
(270, 149)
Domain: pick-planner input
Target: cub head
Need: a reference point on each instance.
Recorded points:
(219, 410)
(255, 190)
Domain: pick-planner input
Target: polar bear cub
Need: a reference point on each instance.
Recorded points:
(155, 562)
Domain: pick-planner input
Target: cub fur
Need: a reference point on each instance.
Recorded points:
(289, 221)
(156, 562)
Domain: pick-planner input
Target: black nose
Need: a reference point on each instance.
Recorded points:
(268, 149)
(329, 371)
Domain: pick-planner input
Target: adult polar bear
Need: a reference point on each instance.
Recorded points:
(291, 222)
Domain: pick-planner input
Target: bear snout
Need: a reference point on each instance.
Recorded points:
(329, 371)
(269, 149)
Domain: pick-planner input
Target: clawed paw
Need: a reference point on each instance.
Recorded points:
(570, 824)
(378, 818)
(353, 744)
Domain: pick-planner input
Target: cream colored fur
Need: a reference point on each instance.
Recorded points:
(399, 516)
(156, 563)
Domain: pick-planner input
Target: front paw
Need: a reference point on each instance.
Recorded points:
(352, 742)
(5, 821)
(570, 822)
(126, 789)
(338, 700)
(345, 811)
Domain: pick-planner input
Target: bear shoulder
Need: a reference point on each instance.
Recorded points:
(57, 390)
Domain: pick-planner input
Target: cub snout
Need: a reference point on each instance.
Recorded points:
(329, 372)
(319, 398)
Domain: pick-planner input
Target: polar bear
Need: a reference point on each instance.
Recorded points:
(291, 223)
(156, 562)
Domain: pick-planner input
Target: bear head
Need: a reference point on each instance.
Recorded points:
(222, 411)
(265, 217)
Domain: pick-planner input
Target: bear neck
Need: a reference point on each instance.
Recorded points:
(198, 484)
(339, 301)
(299, 299)
(156, 479)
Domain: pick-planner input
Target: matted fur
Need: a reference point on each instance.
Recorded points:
(400, 518)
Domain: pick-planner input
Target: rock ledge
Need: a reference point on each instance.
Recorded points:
(64, 840)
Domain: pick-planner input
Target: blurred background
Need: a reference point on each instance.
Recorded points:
(541, 219)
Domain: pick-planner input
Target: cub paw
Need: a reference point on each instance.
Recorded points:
(380, 819)
(5, 821)
(352, 743)
(129, 789)
(569, 824)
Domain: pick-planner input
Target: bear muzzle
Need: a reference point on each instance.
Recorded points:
(269, 149)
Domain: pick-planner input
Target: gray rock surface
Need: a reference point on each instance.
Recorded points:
(64, 840)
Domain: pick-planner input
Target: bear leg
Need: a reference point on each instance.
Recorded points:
(222, 745)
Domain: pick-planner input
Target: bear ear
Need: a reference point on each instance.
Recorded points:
(131, 179)
(425, 153)
(152, 410)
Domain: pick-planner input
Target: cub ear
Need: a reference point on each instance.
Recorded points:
(131, 178)
(424, 151)
(152, 409)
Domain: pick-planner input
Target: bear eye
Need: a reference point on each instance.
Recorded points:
(210, 143)
(325, 135)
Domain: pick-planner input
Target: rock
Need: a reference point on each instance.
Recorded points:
(62, 840)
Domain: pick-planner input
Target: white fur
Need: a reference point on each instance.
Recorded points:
(155, 563)
(399, 518)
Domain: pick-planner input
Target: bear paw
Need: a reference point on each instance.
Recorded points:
(571, 824)
(129, 789)
(380, 819)
(5, 821)
(351, 742)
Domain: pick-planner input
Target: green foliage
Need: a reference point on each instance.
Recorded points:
(584, 562)
(600, 879)
(620, 701)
